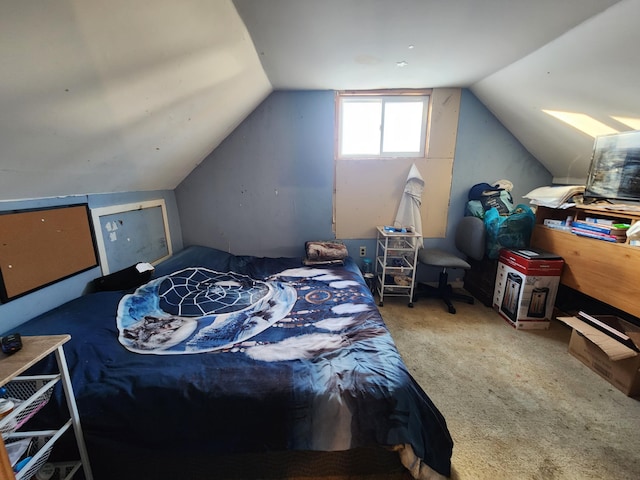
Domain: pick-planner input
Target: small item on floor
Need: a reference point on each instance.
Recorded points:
(367, 266)
(370, 280)
(609, 346)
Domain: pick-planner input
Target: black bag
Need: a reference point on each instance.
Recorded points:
(124, 279)
(491, 196)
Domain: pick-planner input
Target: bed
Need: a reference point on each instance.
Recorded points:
(220, 362)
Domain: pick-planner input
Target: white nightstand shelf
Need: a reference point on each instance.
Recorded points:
(395, 268)
(31, 393)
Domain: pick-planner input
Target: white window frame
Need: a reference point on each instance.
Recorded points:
(96, 213)
(384, 96)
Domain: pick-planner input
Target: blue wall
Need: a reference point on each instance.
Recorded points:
(485, 152)
(24, 308)
(269, 186)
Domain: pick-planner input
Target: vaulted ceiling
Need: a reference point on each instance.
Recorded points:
(124, 95)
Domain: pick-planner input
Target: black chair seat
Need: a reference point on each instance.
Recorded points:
(470, 240)
(441, 258)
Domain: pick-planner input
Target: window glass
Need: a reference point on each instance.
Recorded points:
(361, 127)
(402, 127)
(382, 125)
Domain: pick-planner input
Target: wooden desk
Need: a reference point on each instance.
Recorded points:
(606, 271)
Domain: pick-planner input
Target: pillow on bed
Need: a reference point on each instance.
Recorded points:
(124, 279)
(325, 253)
(196, 256)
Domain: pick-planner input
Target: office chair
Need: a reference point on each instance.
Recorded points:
(470, 240)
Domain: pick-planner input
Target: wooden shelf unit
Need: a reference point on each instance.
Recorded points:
(34, 349)
(603, 270)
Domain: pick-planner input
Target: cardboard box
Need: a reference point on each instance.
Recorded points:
(605, 355)
(526, 286)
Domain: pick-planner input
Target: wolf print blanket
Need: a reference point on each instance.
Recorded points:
(251, 354)
(198, 310)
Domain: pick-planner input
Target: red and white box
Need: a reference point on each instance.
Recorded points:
(526, 287)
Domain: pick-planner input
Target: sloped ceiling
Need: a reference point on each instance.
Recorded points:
(100, 97)
(519, 57)
(108, 96)
(592, 70)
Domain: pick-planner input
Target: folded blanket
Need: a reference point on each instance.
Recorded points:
(325, 253)
(306, 261)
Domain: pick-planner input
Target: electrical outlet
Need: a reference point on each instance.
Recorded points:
(363, 251)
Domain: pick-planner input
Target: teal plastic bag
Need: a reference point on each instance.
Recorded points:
(508, 231)
(474, 208)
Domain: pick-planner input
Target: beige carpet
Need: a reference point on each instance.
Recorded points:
(517, 404)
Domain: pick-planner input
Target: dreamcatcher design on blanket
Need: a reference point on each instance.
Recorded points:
(195, 292)
(197, 310)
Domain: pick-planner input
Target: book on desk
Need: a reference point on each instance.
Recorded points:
(601, 230)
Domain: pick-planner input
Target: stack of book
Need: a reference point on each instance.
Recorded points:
(556, 196)
(601, 229)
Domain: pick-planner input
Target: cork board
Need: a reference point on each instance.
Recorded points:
(40, 247)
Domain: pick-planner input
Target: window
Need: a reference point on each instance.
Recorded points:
(367, 189)
(372, 124)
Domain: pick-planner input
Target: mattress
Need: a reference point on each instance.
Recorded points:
(312, 370)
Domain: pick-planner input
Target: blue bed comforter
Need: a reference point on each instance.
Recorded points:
(307, 365)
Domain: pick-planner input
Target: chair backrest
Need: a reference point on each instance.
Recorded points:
(471, 237)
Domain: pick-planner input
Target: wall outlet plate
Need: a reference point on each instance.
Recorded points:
(363, 251)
